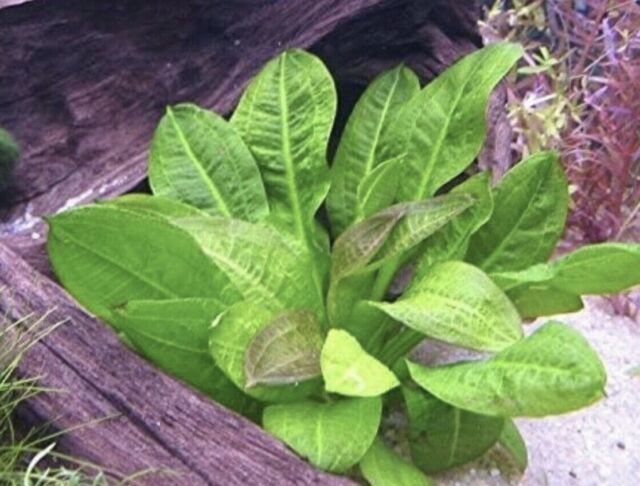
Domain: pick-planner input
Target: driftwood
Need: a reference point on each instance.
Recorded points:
(82, 84)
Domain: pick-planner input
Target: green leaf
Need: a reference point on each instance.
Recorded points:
(362, 149)
(173, 334)
(285, 351)
(442, 436)
(443, 128)
(317, 430)
(198, 157)
(229, 340)
(530, 209)
(107, 256)
(368, 245)
(533, 301)
(9, 153)
(513, 444)
(377, 190)
(285, 118)
(347, 369)
(553, 288)
(552, 371)
(605, 268)
(459, 304)
(452, 241)
(268, 267)
(381, 466)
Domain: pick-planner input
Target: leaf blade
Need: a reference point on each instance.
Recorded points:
(552, 371)
(230, 337)
(386, 235)
(173, 334)
(446, 120)
(288, 109)
(285, 351)
(530, 210)
(361, 145)
(442, 436)
(316, 430)
(381, 466)
(514, 445)
(267, 267)
(136, 256)
(349, 370)
(198, 158)
(459, 304)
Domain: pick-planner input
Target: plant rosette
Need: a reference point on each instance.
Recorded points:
(226, 278)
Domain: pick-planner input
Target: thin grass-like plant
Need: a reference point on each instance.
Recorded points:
(27, 456)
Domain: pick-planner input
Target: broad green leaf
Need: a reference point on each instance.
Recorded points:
(362, 148)
(285, 118)
(349, 370)
(593, 269)
(173, 334)
(533, 301)
(107, 256)
(229, 339)
(9, 153)
(442, 436)
(198, 157)
(333, 436)
(285, 351)
(381, 466)
(442, 128)
(459, 304)
(268, 267)
(451, 242)
(605, 268)
(368, 245)
(554, 288)
(255, 258)
(513, 444)
(552, 371)
(530, 209)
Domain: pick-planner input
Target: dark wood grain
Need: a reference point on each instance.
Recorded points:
(156, 422)
(83, 82)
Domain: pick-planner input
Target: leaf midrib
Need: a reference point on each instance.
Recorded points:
(443, 135)
(292, 188)
(215, 192)
(376, 139)
(490, 258)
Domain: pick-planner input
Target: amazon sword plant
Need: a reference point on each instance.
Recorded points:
(225, 278)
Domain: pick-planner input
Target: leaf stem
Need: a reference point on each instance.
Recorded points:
(384, 280)
(400, 345)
